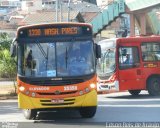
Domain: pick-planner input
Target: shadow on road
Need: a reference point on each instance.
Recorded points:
(59, 115)
(66, 117)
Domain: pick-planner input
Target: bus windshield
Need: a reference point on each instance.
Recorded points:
(106, 64)
(56, 59)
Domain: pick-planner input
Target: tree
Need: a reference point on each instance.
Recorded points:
(5, 41)
(7, 64)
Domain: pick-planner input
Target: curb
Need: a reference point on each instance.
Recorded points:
(7, 97)
(7, 79)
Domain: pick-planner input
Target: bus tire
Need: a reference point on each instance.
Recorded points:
(153, 86)
(134, 92)
(87, 112)
(30, 113)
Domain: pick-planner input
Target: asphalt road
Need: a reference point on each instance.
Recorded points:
(117, 107)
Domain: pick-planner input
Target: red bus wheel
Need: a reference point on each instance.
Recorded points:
(153, 86)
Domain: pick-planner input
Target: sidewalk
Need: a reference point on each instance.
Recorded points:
(6, 83)
(7, 90)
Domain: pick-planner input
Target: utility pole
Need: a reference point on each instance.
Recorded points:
(57, 4)
(69, 1)
(61, 13)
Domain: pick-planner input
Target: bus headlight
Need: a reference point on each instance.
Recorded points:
(27, 92)
(92, 85)
(86, 90)
(33, 94)
(81, 93)
(21, 88)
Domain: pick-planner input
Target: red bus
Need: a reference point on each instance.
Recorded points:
(56, 68)
(131, 63)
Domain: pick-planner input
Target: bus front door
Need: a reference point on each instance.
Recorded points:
(130, 74)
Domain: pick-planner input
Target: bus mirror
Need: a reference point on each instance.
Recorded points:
(13, 50)
(98, 51)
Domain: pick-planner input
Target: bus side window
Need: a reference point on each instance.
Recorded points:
(150, 51)
(129, 59)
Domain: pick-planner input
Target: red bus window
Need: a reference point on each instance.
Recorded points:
(150, 51)
(128, 57)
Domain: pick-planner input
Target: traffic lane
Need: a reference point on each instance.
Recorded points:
(69, 119)
(52, 124)
(9, 111)
(104, 115)
(136, 101)
(123, 107)
(107, 113)
(8, 107)
(113, 109)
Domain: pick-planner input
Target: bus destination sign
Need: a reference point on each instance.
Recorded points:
(54, 31)
(33, 32)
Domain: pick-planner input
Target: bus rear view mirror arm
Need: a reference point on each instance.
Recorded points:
(13, 48)
(98, 51)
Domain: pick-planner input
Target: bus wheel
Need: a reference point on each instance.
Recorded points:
(134, 92)
(30, 113)
(153, 86)
(88, 112)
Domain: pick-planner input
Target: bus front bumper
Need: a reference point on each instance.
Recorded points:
(113, 86)
(86, 100)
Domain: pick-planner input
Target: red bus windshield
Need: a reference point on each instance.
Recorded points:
(106, 64)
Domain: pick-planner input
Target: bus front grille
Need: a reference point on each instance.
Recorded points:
(59, 104)
(52, 93)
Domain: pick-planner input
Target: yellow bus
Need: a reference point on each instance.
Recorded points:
(56, 68)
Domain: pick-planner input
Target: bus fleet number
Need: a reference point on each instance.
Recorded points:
(70, 88)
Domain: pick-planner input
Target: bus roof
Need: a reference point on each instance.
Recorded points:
(51, 30)
(55, 23)
(138, 39)
(135, 39)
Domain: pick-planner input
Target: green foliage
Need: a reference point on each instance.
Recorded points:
(7, 64)
(5, 41)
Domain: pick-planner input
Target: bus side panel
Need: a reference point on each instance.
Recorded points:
(131, 78)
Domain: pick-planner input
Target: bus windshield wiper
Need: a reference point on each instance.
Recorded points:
(47, 58)
(42, 51)
(66, 57)
(105, 55)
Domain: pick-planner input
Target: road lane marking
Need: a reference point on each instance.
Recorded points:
(130, 100)
(8, 101)
(137, 106)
